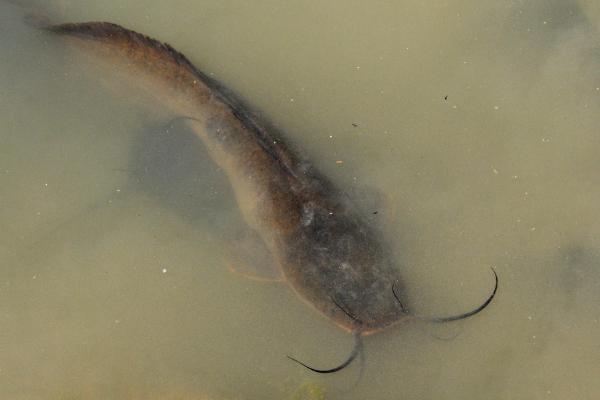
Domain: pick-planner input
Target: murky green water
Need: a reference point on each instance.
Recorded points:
(476, 134)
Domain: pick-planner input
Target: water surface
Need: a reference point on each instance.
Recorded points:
(470, 127)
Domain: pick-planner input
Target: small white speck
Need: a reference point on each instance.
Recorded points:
(529, 317)
(454, 107)
(330, 136)
(357, 67)
(496, 108)
(533, 337)
(45, 185)
(34, 277)
(532, 228)
(545, 22)
(546, 140)
(330, 213)
(598, 88)
(515, 177)
(164, 270)
(117, 190)
(495, 171)
(291, 99)
(117, 321)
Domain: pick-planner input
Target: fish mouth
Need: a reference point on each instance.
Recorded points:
(368, 330)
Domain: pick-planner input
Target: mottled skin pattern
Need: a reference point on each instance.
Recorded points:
(328, 254)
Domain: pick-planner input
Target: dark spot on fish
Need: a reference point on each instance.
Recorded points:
(354, 125)
(375, 212)
(446, 97)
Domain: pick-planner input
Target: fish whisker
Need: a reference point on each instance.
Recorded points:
(453, 317)
(357, 349)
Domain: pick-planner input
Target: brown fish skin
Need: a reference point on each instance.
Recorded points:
(328, 254)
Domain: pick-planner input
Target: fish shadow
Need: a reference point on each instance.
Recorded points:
(170, 164)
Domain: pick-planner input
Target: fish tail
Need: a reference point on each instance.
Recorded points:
(135, 48)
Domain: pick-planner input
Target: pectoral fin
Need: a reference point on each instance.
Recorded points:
(249, 257)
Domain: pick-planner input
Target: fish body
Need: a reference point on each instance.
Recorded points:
(326, 251)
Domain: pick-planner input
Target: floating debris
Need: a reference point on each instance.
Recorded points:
(309, 391)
